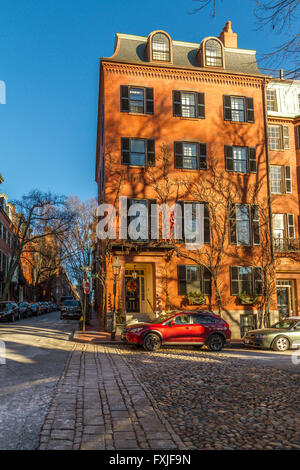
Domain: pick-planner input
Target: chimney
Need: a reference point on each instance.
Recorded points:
(228, 38)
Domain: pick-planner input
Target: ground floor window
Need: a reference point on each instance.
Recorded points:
(193, 278)
(245, 279)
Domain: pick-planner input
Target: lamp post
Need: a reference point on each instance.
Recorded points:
(116, 268)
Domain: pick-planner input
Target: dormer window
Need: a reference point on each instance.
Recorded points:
(160, 47)
(213, 53)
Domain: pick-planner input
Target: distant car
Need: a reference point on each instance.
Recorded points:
(34, 308)
(184, 328)
(281, 336)
(24, 309)
(71, 309)
(54, 307)
(9, 311)
(66, 297)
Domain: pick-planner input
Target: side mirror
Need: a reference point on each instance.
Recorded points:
(172, 323)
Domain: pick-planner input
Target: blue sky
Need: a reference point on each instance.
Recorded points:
(49, 60)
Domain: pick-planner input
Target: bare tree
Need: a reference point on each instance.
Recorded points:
(280, 16)
(38, 215)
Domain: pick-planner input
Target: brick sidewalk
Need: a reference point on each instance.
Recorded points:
(100, 404)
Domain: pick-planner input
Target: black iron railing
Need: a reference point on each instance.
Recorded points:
(282, 245)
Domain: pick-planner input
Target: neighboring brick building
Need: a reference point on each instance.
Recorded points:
(283, 105)
(206, 104)
(6, 243)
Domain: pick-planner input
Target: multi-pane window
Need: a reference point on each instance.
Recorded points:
(191, 225)
(283, 226)
(278, 137)
(244, 225)
(160, 47)
(298, 137)
(188, 104)
(213, 53)
(138, 152)
(193, 278)
(189, 155)
(271, 100)
(245, 279)
(136, 100)
(144, 219)
(238, 109)
(281, 180)
(240, 159)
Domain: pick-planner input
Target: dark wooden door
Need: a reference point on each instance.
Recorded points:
(132, 295)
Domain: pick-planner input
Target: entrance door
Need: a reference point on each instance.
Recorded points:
(132, 295)
(285, 298)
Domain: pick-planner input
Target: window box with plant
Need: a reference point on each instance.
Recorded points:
(196, 298)
(247, 299)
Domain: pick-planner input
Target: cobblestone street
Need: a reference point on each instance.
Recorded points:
(100, 404)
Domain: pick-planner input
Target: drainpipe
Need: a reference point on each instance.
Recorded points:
(268, 168)
(269, 184)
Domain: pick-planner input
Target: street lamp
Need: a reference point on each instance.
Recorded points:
(116, 268)
(134, 274)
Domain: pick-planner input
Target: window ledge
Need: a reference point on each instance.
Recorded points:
(128, 113)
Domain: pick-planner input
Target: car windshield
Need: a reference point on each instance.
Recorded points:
(71, 303)
(160, 319)
(285, 324)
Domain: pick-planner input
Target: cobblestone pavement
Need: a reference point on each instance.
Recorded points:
(99, 404)
(216, 401)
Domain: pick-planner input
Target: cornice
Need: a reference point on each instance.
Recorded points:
(174, 73)
(280, 120)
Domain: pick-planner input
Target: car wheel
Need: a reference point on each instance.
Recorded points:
(281, 344)
(151, 342)
(215, 343)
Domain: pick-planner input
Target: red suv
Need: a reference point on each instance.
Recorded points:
(190, 328)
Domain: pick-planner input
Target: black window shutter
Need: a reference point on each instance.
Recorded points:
(234, 284)
(178, 150)
(149, 101)
(124, 99)
(152, 216)
(232, 225)
(206, 281)
(125, 150)
(201, 105)
(227, 107)
(250, 109)
(150, 152)
(206, 225)
(291, 226)
(257, 277)
(202, 157)
(177, 103)
(181, 279)
(255, 224)
(228, 158)
(252, 160)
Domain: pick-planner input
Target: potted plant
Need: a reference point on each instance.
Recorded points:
(247, 299)
(196, 298)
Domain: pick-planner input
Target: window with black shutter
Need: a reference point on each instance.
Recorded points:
(190, 155)
(137, 100)
(240, 159)
(238, 108)
(192, 223)
(138, 152)
(244, 224)
(189, 105)
(193, 278)
(245, 279)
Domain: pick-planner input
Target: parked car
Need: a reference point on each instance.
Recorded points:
(9, 311)
(184, 328)
(70, 309)
(66, 297)
(281, 336)
(34, 308)
(24, 309)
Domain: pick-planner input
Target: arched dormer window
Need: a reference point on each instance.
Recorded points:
(213, 53)
(160, 47)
